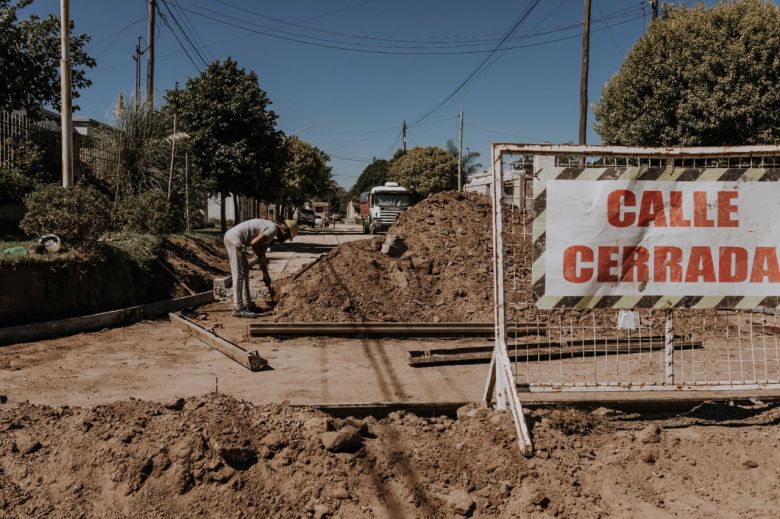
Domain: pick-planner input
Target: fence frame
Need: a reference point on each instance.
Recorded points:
(501, 382)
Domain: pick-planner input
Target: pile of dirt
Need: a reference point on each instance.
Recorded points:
(218, 457)
(194, 260)
(445, 273)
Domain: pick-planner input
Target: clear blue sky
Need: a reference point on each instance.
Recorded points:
(351, 104)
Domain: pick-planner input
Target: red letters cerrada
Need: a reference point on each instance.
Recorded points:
(703, 263)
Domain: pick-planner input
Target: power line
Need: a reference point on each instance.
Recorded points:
(612, 34)
(112, 38)
(183, 32)
(191, 27)
(479, 67)
(253, 32)
(348, 158)
(390, 148)
(445, 39)
(351, 46)
(183, 47)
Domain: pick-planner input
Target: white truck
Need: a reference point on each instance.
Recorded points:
(380, 207)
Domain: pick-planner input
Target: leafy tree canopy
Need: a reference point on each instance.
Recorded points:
(705, 76)
(30, 58)
(424, 171)
(233, 132)
(375, 174)
(306, 173)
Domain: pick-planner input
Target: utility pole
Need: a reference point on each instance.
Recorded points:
(654, 5)
(137, 59)
(460, 152)
(403, 130)
(584, 75)
(152, 5)
(66, 101)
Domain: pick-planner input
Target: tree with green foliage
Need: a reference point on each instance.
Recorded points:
(305, 175)
(424, 171)
(232, 131)
(704, 76)
(29, 60)
(375, 174)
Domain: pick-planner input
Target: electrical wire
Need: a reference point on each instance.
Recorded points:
(612, 34)
(445, 39)
(348, 158)
(183, 47)
(479, 67)
(191, 27)
(183, 32)
(112, 38)
(351, 46)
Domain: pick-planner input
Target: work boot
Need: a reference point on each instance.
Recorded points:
(252, 307)
(244, 313)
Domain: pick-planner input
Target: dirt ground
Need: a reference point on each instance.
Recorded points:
(215, 456)
(93, 428)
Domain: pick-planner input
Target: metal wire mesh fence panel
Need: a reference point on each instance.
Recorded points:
(581, 346)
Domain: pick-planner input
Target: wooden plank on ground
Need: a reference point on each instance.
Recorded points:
(249, 359)
(389, 329)
(85, 323)
(540, 351)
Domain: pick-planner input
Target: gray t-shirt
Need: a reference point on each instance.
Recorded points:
(245, 232)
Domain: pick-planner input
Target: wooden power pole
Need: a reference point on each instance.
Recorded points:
(460, 151)
(152, 5)
(584, 75)
(654, 6)
(403, 130)
(66, 101)
(137, 59)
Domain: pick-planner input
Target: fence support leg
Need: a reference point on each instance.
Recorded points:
(669, 349)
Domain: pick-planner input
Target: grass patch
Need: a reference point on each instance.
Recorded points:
(67, 255)
(142, 249)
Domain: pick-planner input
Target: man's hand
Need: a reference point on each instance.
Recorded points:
(242, 249)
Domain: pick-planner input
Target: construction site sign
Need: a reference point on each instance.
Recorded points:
(622, 241)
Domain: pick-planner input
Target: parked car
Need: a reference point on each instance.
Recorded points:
(306, 217)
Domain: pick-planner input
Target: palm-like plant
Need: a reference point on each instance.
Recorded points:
(469, 164)
(140, 151)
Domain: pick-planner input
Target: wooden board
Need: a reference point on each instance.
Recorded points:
(536, 352)
(85, 323)
(388, 329)
(249, 359)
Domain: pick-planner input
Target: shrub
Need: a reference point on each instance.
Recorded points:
(78, 215)
(148, 212)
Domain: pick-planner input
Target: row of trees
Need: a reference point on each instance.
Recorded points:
(422, 170)
(226, 136)
(699, 76)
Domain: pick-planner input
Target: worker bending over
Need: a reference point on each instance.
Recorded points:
(256, 234)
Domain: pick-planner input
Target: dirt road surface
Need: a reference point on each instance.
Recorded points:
(119, 442)
(157, 361)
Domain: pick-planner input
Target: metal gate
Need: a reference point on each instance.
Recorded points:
(666, 343)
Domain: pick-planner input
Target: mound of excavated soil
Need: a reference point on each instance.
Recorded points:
(445, 275)
(218, 457)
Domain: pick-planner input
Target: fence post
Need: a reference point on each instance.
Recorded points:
(669, 348)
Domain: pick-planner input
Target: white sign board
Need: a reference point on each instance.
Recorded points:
(661, 238)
